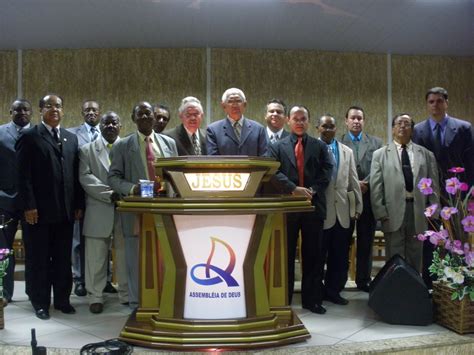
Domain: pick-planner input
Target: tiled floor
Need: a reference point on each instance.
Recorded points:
(340, 325)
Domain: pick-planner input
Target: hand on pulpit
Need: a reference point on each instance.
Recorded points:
(303, 191)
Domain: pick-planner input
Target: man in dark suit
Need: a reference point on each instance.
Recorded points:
(189, 137)
(236, 134)
(51, 198)
(86, 132)
(305, 169)
(275, 117)
(20, 113)
(451, 141)
(162, 117)
(363, 146)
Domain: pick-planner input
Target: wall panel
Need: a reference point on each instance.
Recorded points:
(323, 81)
(414, 75)
(8, 83)
(117, 78)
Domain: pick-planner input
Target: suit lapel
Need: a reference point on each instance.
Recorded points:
(102, 153)
(393, 156)
(343, 160)
(83, 134)
(450, 132)
(135, 155)
(246, 130)
(417, 157)
(12, 131)
(363, 145)
(184, 138)
(287, 148)
(229, 131)
(202, 141)
(44, 133)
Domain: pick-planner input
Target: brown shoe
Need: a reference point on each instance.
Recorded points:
(96, 308)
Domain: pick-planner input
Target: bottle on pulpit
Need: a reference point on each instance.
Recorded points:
(160, 186)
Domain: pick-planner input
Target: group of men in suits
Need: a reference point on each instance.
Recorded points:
(54, 164)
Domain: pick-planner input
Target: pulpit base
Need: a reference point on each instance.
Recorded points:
(281, 327)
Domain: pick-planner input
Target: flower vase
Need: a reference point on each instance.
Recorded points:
(453, 314)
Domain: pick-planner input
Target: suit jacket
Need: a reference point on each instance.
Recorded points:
(82, 134)
(127, 168)
(337, 202)
(388, 186)
(183, 143)
(317, 169)
(9, 167)
(367, 146)
(48, 176)
(221, 139)
(458, 147)
(94, 167)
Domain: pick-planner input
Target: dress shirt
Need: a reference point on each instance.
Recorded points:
(50, 129)
(357, 138)
(443, 124)
(88, 127)
(409, 148)
(19, 128)
(156, 148)
(190, 136)
(277, 135)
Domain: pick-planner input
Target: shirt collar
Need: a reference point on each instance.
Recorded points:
(275, 134)
(49, 128)
(142, 137)
(107, 143)
(240, 121)
(443, 122)
(399, 146)
(357, 138)
(19, 127)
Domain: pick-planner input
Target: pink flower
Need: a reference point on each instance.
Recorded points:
(463, 186)
(443, 234)
(452, 185)
(456, 170)
(448, 245)
(469, 258)
(468, 223)
(430, 210)
(421, 237)
(447, 212)
(434, 238)
(425, 186)
(470, 206)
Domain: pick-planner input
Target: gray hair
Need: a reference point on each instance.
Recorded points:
(190, 101)
(233, 91)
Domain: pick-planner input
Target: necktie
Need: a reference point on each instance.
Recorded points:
(438, 143)
(94, 134)
(406, 167)
(56, 137)
(150, 159)
(237, 130)
(299, 155)
(196, 145)
(109, 145)
(332, 156)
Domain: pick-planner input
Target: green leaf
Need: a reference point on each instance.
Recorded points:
(454, 295)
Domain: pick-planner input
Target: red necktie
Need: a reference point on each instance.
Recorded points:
(299, 155)
(150, 159)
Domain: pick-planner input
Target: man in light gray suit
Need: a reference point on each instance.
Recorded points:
(363, 146)
(396, 201)
(236, 134)
(101, 222)
(85, 133)
(336, 230)
(130, 162)
(20, 112)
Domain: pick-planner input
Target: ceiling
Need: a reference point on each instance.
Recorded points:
(432, 27)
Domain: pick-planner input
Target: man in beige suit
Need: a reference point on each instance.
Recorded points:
(336, 230)
(396, 201)
(101, 221)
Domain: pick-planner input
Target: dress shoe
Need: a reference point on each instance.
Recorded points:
(337, 299)
(363, 287)
(96, 308)
(109, 288)
(42, 314)
(67, 309)
(317, 308)
(80, 289)
(125, 303)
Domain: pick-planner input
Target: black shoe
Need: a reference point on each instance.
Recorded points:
(96, 308)
(337, 299)
(125, 304)
(109, 288)
(67, 309)
(80, 289)
(363, 287)
(316, 309)
(42, 314)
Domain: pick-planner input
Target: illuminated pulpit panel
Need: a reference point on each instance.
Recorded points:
(214, 248)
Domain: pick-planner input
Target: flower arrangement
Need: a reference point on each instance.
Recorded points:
(453, 258)
(4, 261)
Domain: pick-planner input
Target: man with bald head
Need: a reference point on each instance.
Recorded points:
(20, 113)
(190, 138)
(132, 159)
(236, 134)
(51, 198)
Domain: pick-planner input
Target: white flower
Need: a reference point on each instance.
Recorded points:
(458, 278)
